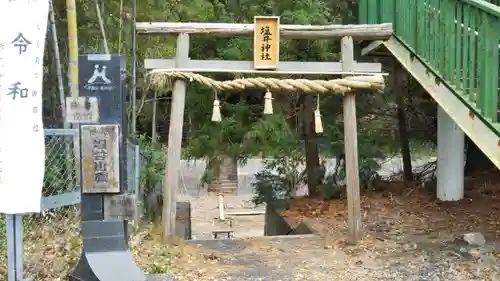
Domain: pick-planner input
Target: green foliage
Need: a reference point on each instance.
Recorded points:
(282, 175)
(283, 158)
(153, 164)
(240, 115)
(216, 137)
(371, 147)
(270, 137)
(3, 241)
(208, 176)
(243, 132)
(238, 134)
(279, 180)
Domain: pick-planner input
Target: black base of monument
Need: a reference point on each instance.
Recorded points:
(183, 220)
(105, 255)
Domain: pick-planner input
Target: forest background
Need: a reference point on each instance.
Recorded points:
(401, 121)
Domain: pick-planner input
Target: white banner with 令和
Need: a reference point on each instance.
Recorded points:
(22, 143)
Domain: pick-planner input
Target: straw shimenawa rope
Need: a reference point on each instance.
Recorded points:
(163, 79)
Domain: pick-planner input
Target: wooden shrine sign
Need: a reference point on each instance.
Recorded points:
(266, 40)
(100, 158)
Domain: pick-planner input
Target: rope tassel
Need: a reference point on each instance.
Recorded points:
(216, 116)
(318, 124)
(268, 103)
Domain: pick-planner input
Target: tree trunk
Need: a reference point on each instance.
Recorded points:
(401, 87)
(288, 107)
(225, 174)
(476, 160)
(311, 147)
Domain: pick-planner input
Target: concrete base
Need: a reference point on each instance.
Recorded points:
(183, 220)
(450, 163)
(105, 255)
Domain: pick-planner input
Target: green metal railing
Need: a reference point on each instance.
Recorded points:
(457, 39)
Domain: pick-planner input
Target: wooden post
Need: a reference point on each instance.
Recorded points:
(73, 74)
(133, 95)
(351, 148)
(221, 207)
(153, 123)
(173, 164)
(285, 67)
(311, 32)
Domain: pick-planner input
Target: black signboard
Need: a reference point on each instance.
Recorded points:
(102, 76)
(104, 241)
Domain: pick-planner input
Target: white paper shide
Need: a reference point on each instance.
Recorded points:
(22, 145)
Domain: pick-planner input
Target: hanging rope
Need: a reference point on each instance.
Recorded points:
(318, 125)
(163, 79)
(216, 115)
(268, 103)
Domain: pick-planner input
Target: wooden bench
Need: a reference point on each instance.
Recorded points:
(229, 233)
(226, 220)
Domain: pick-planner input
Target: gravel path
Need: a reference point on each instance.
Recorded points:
(306, 258)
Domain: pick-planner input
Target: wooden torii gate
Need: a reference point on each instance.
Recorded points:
(266, 61)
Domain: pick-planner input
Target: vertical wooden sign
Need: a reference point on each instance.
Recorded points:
(266, 48)
(100, 158)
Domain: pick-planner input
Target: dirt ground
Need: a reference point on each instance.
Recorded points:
(407, 236)
(406, 224)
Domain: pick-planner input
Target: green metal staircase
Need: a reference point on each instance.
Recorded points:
(452, 48)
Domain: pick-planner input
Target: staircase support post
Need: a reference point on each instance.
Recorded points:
(450, 163)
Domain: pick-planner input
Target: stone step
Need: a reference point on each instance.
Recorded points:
(223, 189)
(224, 180)
(224, 183)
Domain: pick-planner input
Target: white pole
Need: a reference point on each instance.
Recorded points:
(451, 158)
(221, 207)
